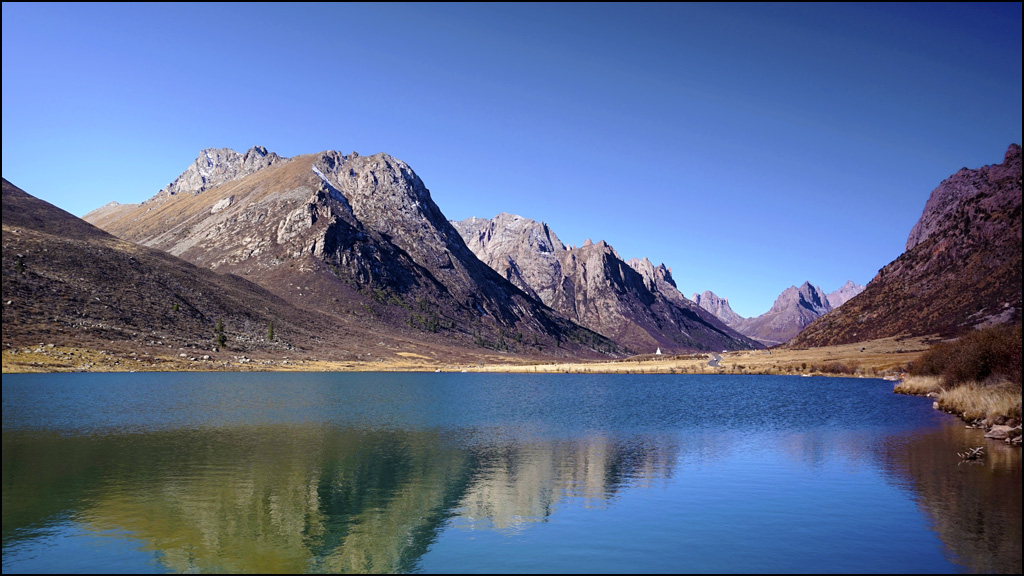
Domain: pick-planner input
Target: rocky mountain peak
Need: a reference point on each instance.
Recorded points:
(215, 166)
(793, 310)
(718, 306)
(382, 191)
(524, 251)
(653, 275)
(806, 296)
(843, 294)
(634, 303)
(355, 235)
(994, 184)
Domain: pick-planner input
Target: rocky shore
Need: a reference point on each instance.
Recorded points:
(994, 409)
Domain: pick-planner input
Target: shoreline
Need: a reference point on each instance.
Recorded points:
(876, 359)
(994, 409)
(885, 358)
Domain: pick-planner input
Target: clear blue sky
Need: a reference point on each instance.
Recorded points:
(748, 147)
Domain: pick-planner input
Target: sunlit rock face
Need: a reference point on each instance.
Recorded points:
(843, 294)
(793, 310)
(718, 306)
(215, 166)
(635, 303)
(523, 251)
(343, 234)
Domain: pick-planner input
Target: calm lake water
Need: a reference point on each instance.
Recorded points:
(495, 473)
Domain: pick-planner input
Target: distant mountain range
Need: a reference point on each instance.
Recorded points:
(349, 258)
(961, 268)
(634, 303)
(792, 311)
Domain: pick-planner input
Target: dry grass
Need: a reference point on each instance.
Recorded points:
(919, 385)
(869, 359)
(977, 377)
(888, 356)
(76, 359)
(993, 404)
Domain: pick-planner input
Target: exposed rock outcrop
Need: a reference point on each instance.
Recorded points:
(636, 304)
(218, 165)
(523, 251)
(843, 294)
(718, 306)
(343, 233)
(961, 269)
(793, 310)
(71, 283)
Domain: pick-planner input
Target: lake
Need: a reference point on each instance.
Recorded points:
(392, 472)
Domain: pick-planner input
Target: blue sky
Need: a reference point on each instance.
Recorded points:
(748, 147)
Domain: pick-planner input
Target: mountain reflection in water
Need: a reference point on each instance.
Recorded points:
(974, 506)
(628, 473)
(302, 498)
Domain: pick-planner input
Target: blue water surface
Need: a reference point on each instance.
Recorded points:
(426, 472)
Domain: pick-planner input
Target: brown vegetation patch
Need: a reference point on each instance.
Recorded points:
(977, 377)
(984, 404)
(994, 352)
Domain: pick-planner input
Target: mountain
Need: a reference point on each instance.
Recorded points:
(961, 268)
(521, 250)
(219, 165)
(68, 282)
(793, 310)
(635, 304)
(343, 234)
(843, 294)
(718, 306)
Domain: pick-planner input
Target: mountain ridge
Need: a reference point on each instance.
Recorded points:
(357, 233)
(961, 268)
(794, 309)
(634, 302)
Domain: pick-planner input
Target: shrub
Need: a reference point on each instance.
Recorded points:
(218, 333)
(840, 368)
(990, 354)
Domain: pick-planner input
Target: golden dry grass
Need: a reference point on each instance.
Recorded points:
(919, 385)
(974, 402)
(888, 356)
(866, 359)
(40, 359)
(869, 359)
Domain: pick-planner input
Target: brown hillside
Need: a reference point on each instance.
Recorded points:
(962, 267)
(67, 282)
